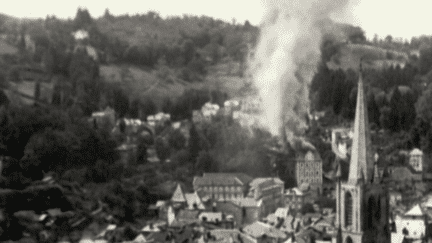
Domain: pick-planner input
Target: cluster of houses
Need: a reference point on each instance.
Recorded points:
(233, 207)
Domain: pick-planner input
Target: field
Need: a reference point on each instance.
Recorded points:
(157, 84)
(374, 57)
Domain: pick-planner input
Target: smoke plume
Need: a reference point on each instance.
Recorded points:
(285, 61)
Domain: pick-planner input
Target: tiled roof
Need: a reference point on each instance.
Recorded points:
(187, 214)
(222, 179)
(258, 229)
(246, 202)
(294, 191)
(257, 181)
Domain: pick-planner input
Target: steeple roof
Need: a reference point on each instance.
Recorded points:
(361, 164)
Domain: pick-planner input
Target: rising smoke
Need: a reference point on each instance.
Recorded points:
(285, 61)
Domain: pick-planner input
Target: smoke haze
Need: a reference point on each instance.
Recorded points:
(285, 60)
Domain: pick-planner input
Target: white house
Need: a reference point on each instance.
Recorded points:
(416, 159)
(413, 222)
(80, 35)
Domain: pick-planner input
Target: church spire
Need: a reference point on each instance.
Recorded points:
(361, 164)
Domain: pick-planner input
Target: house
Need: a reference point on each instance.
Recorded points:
(416, 160)
(230, 235)
(294, 199)
(153, 227)
(243, 210)
(104, 118)
(158, 119)
(264, 233)
(223, 186)
(187, 216)
(270, 190)
(209, 110)
(413, 223)
(309, 170)
(80, 35)
(341, 139)
(213, 217)
(194, 201)
(395, 198)
(231, 105)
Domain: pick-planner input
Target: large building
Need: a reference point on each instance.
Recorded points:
(362, 200)
(223, 186)
(270, 191)
(309, 170)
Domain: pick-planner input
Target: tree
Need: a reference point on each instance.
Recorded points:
(423, 105)
(425, 60)
(162, 149)
(389, 39)
(82, 19)
(148, 108)
(176, 140)
(188, 50)
(205, 162)
(167, 105)
(194, 144)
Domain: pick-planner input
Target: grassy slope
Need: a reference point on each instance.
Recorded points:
(140, 83)
(374, 57)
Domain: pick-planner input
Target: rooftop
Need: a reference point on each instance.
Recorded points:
(222, 179)
(415, 211)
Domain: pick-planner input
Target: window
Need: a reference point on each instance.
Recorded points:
(348, 209)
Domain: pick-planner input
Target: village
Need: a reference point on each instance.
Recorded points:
(234, 207)
(357, 187)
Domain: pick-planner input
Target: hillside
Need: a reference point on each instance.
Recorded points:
(156, 84)
(349, 55)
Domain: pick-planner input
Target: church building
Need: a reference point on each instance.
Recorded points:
(362, 200)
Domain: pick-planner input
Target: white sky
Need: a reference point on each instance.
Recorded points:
(400, 18)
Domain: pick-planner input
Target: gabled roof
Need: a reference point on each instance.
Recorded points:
(193, 198)
(178, 195)
(415, 211)
(282, 212)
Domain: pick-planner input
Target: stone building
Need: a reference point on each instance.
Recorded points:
(223, 186)
(309, 170)
(270, 191)
(362, 200)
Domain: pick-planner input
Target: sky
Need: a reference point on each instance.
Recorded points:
(399, 18)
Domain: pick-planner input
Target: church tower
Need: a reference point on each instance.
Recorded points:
(362, 201)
